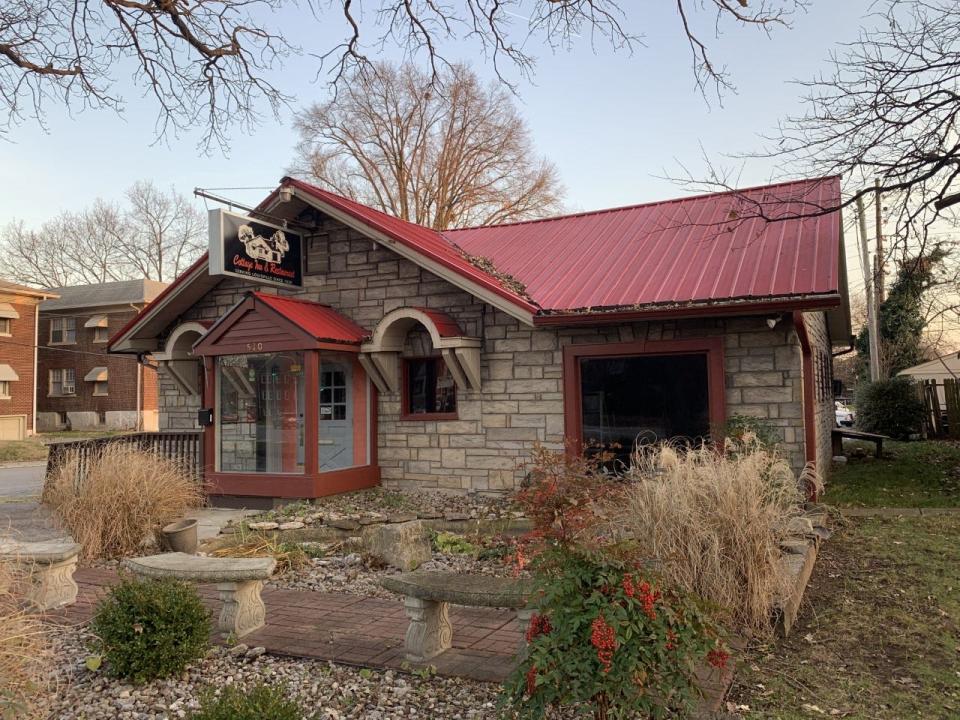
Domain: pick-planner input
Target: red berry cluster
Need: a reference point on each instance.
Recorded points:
(642, 592)
(539, 625)
(718, 657)
(671, 640)
(604, 639)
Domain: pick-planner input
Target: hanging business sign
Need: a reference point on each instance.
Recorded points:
(254, 250)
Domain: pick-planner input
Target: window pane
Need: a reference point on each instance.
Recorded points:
(644, 399)
(260, 416)
(337, 431)
(430, 387)
(446, 390)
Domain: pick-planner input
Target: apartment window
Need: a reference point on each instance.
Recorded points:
(100, 387)
(101, 334)
(4, 326)
(63, 382)
(429, 389)
(62, 418)
(63, 330)
(102, 418)
(4, 389)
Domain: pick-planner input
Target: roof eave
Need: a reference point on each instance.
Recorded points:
(591, 316)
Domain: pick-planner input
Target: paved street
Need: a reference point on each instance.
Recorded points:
(21, 515)
(19, 482)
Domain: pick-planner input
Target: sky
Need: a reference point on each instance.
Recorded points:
(616, 124)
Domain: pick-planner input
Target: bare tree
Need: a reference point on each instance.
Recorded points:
(452, 156)
(213, 63)
(156, 236)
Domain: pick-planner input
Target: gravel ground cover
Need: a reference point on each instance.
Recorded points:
(383, 502)
(326, 691)
(358, 574)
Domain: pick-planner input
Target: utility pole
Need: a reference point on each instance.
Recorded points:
(871, 299)
(879, 258)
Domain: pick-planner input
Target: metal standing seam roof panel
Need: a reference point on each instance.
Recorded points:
(321, 321)
(707, 248)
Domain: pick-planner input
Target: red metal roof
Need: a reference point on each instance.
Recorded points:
(703, 249)
(423, 240)
(446, 325)
(321, 321)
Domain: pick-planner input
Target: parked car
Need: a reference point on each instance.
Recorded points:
(844, 415)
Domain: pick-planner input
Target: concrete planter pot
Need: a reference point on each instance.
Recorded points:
(181, 536)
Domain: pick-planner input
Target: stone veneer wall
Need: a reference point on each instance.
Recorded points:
(521, 400)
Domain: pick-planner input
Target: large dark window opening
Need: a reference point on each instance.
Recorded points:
(643, 399)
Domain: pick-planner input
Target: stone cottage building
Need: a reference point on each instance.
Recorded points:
(80, 386)
(391, 353)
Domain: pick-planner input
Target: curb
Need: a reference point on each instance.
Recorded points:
(25, 463)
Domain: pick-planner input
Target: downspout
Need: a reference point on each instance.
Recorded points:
(36, 367)
(809, 415)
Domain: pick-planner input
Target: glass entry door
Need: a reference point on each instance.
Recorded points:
(336, 414)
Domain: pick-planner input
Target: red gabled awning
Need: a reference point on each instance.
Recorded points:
(270, 323)
(321, 321)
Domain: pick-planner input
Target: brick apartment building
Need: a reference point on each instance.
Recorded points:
(80, 386)
(18, 358)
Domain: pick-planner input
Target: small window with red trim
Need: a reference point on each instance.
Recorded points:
(429, 388)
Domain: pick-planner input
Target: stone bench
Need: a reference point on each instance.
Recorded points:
(428, 595)
(238, 580)
(51, 564)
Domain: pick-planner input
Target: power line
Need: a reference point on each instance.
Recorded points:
(76, 352)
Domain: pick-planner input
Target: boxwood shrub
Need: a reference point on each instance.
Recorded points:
(151, 629)
(261, 702)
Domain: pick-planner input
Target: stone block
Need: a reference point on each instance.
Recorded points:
(405, 546)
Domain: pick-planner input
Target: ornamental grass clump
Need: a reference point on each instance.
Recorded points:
(126, 495)
(610, 638)
(26, 657)
(714, 522)
(148, 629)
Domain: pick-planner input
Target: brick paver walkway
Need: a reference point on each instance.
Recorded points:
(351, 629)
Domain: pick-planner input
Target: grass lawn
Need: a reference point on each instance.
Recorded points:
(911, 474)
(879, 636)
(34, 448)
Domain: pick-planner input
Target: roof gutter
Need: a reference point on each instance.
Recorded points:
(819, 302)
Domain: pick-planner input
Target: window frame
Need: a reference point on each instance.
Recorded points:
(405, 413)
(60, 324)
(5, 390)
(96, 334)
(8, 324)
(572, 387)
(105, 383)
(61, 374)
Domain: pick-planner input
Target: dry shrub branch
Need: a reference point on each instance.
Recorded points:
(715, 522)
(26, 657)
(127, 493)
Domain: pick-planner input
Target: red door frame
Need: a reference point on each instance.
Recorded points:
(712, 347)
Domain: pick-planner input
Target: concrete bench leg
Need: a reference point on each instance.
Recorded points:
(430, 631)
(52, 585)
(243, 608)
(523, 620)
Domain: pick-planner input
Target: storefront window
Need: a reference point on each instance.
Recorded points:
(261, 413)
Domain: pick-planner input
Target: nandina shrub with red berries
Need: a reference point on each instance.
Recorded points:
(608, 639)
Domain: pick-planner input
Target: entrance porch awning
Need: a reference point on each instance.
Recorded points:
(271, 323)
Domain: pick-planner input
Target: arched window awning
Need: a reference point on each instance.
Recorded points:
(381, 354)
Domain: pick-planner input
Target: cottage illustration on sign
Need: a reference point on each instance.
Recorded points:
(258, 247)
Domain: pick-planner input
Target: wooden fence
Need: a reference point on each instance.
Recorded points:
(941, 402)
(186, 448)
